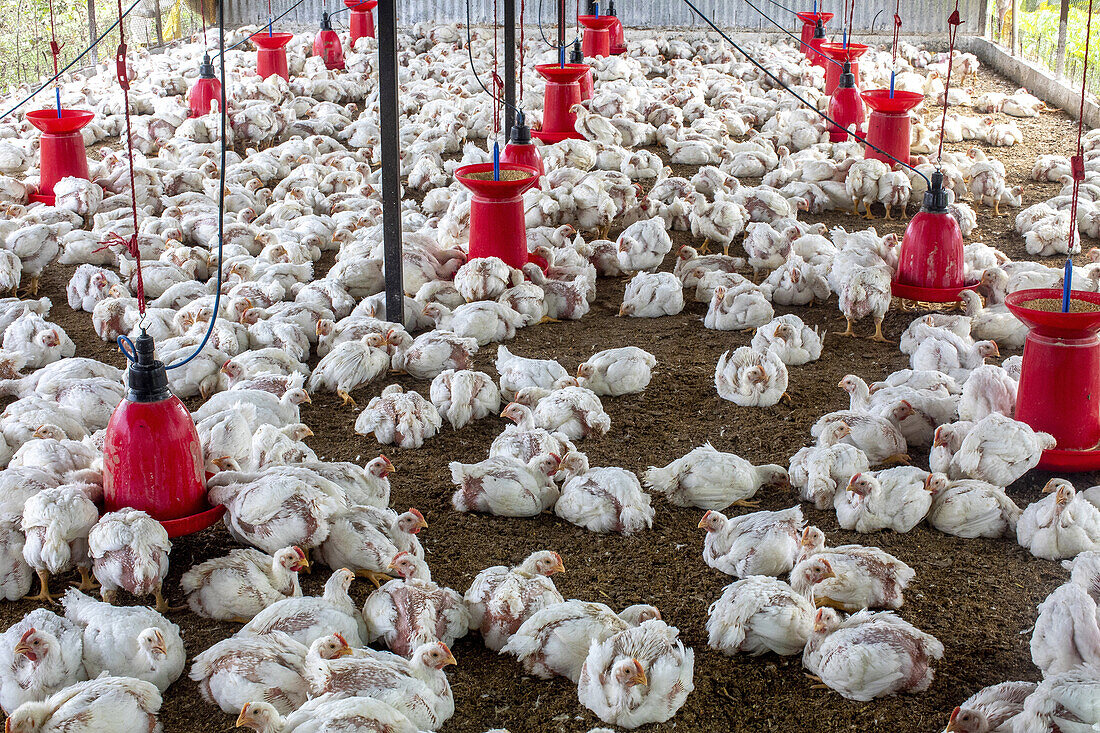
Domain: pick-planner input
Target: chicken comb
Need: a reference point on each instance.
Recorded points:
(954, 715)
(415, 511)
(26, 634)
(342, 639)
(300, 552)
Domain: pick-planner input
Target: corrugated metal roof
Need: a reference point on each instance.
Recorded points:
(919, 17)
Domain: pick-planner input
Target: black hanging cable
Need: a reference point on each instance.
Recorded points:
(542, 32)
(72, 63)
(818, 51)
(262, 30)
(784, 7)
(473, 69)
(796, 95)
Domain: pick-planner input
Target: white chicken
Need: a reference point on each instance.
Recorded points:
(505, 486)
(749, 378)
(818, 471)
(896, 498)
(710, 479)
(129, 551)
(103, 705)
(605, 500)
(307, 618)
(794, 341)
(760, 543)
(616, 372)
(500, 599)
(758, 614)
(1061, 525)
(970, 508)
(56, 523)
(241, 584)
(518, 372)
(652, 295)
(403, 418)
(240, 669)
(849, 577)
(39, 655)
(464, 396)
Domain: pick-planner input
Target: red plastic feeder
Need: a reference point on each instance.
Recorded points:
(361, 21)
(152, 458)
(809, 23)
(61, 146)
(497, 226)
(588, 81)
(618, 37)
(271, 54)
(889, 127)
(1059, 390)
(930, 264)
(846, 108)
(563, 90)
(597, 34)
(816, 55)
(206, 91)
(327, 46)
(520, 150)
(840, 53)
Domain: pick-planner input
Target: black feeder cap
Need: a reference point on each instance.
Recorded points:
(147, 378)
(326, 24)
(591, 7)
(847, 78)
(521, 133)
(935, 198)
(577, 56)
(819, 29)
(611, 7)
(206, 68)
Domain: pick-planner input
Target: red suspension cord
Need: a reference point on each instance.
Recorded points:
(953, 23)
(55, 47)
(1077, 162)
(114, 238)
(202, 14)
(897, 30)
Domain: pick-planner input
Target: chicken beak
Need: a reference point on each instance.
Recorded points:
(308, 433)
(242, 718)
(1050, 487)
(449, 660)
(307, 400)
(39, 434)
(389, 466)
(344, 652)
(25, 650)
(639, 678)
(951, 723)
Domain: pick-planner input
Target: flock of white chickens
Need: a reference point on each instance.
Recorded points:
(302, 180)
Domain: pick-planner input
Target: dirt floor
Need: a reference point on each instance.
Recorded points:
(977, 596)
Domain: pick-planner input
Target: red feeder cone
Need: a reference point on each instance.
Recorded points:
(889, 127)
(207, 90)
(563, 90)
(152, 458)
(597, 34)
(846, 107)
(327, 46)
(930, 264)
(814, 52)
(588, 81)
(809, 23)
(1059, 390)
(841, 54)
(520, 150)
(271, 54)
(618, 37)
(361, 21)
(61, 148)
(497, 226)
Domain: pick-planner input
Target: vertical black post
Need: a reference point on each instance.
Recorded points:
(509, 66)
(561, 25)
(391, 159)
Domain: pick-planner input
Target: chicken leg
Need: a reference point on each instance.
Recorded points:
(86, 582)
(162, 603)
(849, 332)
(705, 247)
(878, 334)
(750, 503)
(826, 602)
(997, 208)
(374, 577)
(869, 215)
(855, 206)
(548, 319)
(44, 590)
(345, 397)
(888, 217)
(898, 459)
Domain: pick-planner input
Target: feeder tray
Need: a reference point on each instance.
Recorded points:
(809, 23)
(928, 295)
(63, 153)
(562, 92)
(1059, 386)
(840, 53)
(880, 100)
(271, 54)
(497, 224)
(597, 34)
(361, 19)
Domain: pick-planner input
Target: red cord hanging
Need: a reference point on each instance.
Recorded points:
(115, 238)
(897, 30)
(1077, 162)
(202, 14)
(953, 23)
(55, 47)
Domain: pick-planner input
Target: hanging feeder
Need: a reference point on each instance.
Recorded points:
(889, 127)
(271, 54)
(206, 91)
(520, 150)
(810, 22)
(61, 148)
(361, 20)
(327, 45)
(618, 36)
(1059, 391)
(846, 107)
(563, 90)
(588, 81)
(597, 34)
(152, 457)
(930, 263)
(815, 54)
(841, 54)
(497, 225)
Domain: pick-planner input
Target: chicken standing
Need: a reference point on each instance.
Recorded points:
(57, 522)
(129, 551)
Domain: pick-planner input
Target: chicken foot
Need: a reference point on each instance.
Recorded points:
(162, 603)
(826, 602)
(345, 397)
(819, 686)
(32, 286)
(849, 332)
(704, 248)
(44, 589)
(86, 582)
(878, 334)
(750, 503)
(898, 459)
(374, 577)
(548, 319)
(997, 208)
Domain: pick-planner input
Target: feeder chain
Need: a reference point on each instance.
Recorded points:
(796, 95)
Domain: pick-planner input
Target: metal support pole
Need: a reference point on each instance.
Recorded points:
(509, 66)
(1063, 22)
(1015, 40)
(92, 33)
(561, 29)
(391, 159)
(160, 27)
